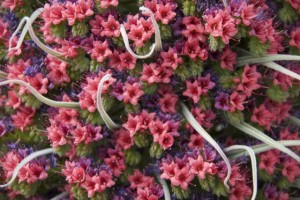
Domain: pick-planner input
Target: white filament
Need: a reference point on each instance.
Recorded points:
(25, 161)
(107, 120)
(246, 128)
(193, 122)
(165, 188)
(60, 196)
(40, 97)
(253, 164)
(28, 27)
(266, 58)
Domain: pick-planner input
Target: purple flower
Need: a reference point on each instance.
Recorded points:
(5, 126)
(222, 102)
(117, 91)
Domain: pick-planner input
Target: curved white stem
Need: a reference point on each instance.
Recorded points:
(25, 161)
(193, 122)
(28, 27)
(126, 42)
(253, 164)
(266, 58)
(281, 69)
(246, 128)
(260, 148)
(158, 42)
(107, 120)
(40, 97)
(225, 3)
(165, 188)
(294, 120)
(60, 196)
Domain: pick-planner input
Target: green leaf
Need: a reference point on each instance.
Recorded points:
(277, 94)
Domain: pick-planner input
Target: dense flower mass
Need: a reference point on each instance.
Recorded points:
(150, 99)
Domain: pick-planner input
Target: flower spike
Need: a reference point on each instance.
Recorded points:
(253, 164)
(107, 120)
(25, 161)
(193, 122)
(165, 188)
(246, 128)
(126, 42)
(40, 97)
(158, 42)
(28, 27)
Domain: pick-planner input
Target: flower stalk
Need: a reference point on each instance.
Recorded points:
(266, 58)
(165, 188)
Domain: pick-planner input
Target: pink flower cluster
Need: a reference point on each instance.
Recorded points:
(83, 174)
(145, 186)
(30, 173)
(162, 132)
(182, 171)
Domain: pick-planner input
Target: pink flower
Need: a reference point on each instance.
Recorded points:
(116, 164)
(69, 13)
(295, 4)
(165, 13)
(55, 15)
(16, 71)
(56, 135)
(168, 170)
(105, 180)
(58, 71)
(249, 81)
(193, 91)
(133, 124)
(150, 73)
(146, 119)
(106, 3)
(39, 83)
(283, 80)
(111, 27)
(236, 102)
(192, 49)
(100, 51)
(11, 4)
(67, 116)
(295, 37)
(228, 59)
(87, 102)
(263, 30)
(291, 170)
(268, 161)
(214, 24)
(83, 9)
(14, 100)
(137, 35)
(124, 139)
(68, 49)
(10, 162)
(91, 185)
(23, 118)
(115, 60)
(148, 27)
(31, 173)
(199, 167)
(73, 173)
(157, 128)
(236, 177)
(229, 30)
(196, 141)
(3, 29)
(168, 102)
(262, 116)
(247, 14)
(138, 180)
(205, 84)
(170, 59)
(96, 26)
(182, 177)
(194, 29)
(79, 134)
(166, 140)
(132, 93)
(127, 61)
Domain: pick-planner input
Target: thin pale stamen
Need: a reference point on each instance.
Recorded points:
(25, 161)
(40, 97)
(253, 164)
(294, 120)
(266, 58)
(193, 122)
(165, 188)
(60, 196)
(3, 75)
(28, 27)
(281, 69)
(246, 128)
(158, 42)
(260, 148)
(128, 48)
(107, 120)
